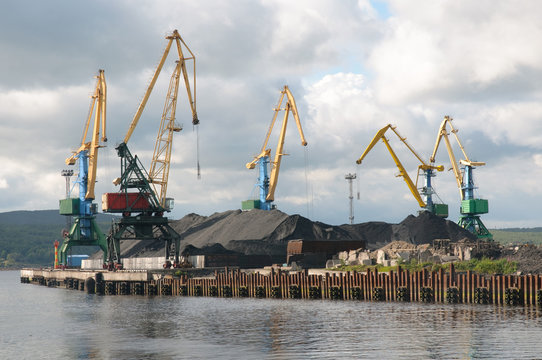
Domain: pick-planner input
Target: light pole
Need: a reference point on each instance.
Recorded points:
(67, 174)
(351, 177)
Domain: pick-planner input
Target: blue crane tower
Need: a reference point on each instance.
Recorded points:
(85, 231)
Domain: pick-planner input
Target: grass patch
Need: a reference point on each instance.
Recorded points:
(518, 237)
(488, 266)
(483, 266)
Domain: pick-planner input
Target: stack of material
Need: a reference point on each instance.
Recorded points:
(417, 230)
(260, 232)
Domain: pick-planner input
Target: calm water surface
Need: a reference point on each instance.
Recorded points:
(37, 322)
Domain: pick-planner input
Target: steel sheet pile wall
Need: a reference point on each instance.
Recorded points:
(397, 285)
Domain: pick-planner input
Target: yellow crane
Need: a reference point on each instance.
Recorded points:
(268, 184)
(141, 205)
(471, 207)
(99, 101)
(85, 231)
(426, 169)
(161, 160)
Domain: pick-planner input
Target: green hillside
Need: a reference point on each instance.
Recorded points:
(27, 237)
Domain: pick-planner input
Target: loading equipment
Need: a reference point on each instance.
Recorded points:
(425, 169)
(139, 202)
(471, 207)
(85, 231)
(268, 183)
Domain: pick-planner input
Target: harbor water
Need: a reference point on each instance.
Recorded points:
(38, 322)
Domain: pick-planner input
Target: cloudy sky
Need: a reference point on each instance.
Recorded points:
(353, 67)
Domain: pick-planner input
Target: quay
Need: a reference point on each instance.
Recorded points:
(396, 285)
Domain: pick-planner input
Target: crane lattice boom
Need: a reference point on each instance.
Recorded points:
(268, 185)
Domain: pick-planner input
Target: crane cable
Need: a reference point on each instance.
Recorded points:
(307, 184)
(357, 181)
(197, 152)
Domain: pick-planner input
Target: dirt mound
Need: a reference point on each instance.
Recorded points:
(398, 246)
(207, 250)
(260, 232)
(528, 258)
(417, 230)
(255, 232)
(426, 227)
(375, 234)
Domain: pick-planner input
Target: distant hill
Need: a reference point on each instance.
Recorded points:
(41, 217)
(535, 229)
(27, 237)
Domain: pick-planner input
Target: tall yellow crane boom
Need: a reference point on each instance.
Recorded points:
(380, 135)
(443, 134)
(161, 160)
(178, 40)
(471, 207)
(99, 102)
(275, 168)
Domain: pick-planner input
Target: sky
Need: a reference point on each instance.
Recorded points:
(352, 66)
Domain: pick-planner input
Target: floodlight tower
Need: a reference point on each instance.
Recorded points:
(67, 175)
(349, 178)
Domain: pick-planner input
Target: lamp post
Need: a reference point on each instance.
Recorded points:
(351, 177)
(67, 174)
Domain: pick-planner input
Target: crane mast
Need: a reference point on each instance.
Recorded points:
(471, 207)
(85, 231)
(139, 201)
(268, 183)
(424, 168)
(161, 160)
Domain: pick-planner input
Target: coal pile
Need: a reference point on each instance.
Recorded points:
(260, 232)
(417, 230)
(255, 232)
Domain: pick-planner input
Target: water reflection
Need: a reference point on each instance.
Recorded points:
(64, 324)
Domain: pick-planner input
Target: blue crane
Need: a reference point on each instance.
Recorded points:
(471, 207)
(85, 231)
(268, 183)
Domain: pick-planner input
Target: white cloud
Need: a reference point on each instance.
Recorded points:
(338, 106)
(513, 123)
(435, 49)
(537, 158)
(351, 71)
